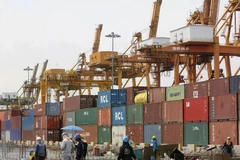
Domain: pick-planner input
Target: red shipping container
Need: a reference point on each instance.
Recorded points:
(172, 133)
(28, 135)
(105, 117)
(196, 109)
(40, 109)
(218, 87)
(90, 133)
(223, 107)
(2, 115)
(16, 122)
(153, 113)
(25, 112)
(11, 113)
(219, 131)
(132, 92)
(196, 90)
(3, 125)
(71, 103)
(48, 134)
(172, 111)
(137, 133)
(157, 95)
(47, 122)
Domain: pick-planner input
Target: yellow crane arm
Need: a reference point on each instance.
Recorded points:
(155, 19)
(96, 44)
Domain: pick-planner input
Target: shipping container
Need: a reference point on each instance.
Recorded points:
(71, 103)
(157, 95)
(196, 133)
(40, 109)
(8, 124)
(28, 123)
(172, 111)
(132, 92)
(223, 107)
(16, 122)
(135, 114)
(219, 131)
(91, 101)
(215, 90)
(16, 135)
(2, 116)
(3, 125)
(235, 84)
(238, 105)
(136, 133)
(48, 134)
(104, 117)
(28, 135)
(119, 115)
(11, 113)
(175, 93)
(47, 122)
(25, 112)
(118, 132)
(104, 134)
(86, 116)
(69, 118)
(153, 113)
(152, 130)
(196, 109)
(5, 135)
(53, 108)
(172, 133)
(196, 90)
(122, 99)
(90, 133)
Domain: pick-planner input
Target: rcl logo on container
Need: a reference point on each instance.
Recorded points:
(118, 116)
(104, 99)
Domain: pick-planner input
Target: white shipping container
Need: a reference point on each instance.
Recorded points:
(158, 41)
(118, 132)
(192, 33)
(5, 135)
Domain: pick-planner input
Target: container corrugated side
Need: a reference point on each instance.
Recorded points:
(135, 114)
(2, 116)
(157, 95)
(196, 90)
(8, 124)
(86, 116)
(223, 107)
(108, 98)
(15, 135)
(152, 130)
(28, 123)
(16, 122)
(71, 103)
(119, 115)
(90, 133)
(5, 135)
(48, 134)
(153, 113)
(235, 84)
(118, 132)
(40, 109)
(104, 117)
(28, 135)
(47, 122)
(104, 134)
(136, 133)
(175, 93)
(3, 125)
(196, 133)
(214, 88)
(122, 99)
(172, 133)
(53, 108)
(69, 118)
(172, 111)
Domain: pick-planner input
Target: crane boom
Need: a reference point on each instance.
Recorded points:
(155, 19)
(96, 44)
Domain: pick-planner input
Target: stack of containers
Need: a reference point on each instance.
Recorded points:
(28, 125)
(172, 114)
(222, 111)
(153, 115)
(3, 123)
(47, 121)
(196, 114)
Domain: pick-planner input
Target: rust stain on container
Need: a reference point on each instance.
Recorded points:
(135, 132)
(47, 122)
(196, 90)
(16, 122)
(172, 133)
(3, 125)
(40, 109)
(219, 131)
(157, 95)
(104, 117)
(223, 107)
(28, 135)
(218, 87)
(90, 133)
(153, 113)
(132, 92)
(172, 111)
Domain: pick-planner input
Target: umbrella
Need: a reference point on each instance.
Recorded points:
(72, 128)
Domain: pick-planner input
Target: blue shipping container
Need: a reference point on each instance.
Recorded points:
(31, 112)
(108, 98)
(235, 84)
(152, 130)
(53, 108)
(8, 124)
(16, 135)
(28, 123)
(119, 115)
(122, 96)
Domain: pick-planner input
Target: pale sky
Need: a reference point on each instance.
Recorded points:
(58, 30)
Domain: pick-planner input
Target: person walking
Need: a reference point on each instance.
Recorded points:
(85, 146)
(79, 147)
(67, 146)
(155, 146)
(228, 146)
(126, 151)
(41, 150)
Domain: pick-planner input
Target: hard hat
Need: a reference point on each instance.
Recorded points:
(153, 137)
(31, 151)
(125, 139)
(228, 137)
(77, 136)
(82, 136)
(64, 134)
(38, 138)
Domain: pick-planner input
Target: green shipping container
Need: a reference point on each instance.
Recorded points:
(104, 134)
(135, 114)
(175, 93)
(196, 133)
(86, 116)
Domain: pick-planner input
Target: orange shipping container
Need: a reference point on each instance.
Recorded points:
(136, 132)
(16, 122)
(47, 122)
(90, 133)
(28, 135)
(11, 113)
(172, 133)
(3, 125)
(40, 109)
(2, 116)
(157, 95)
(104, 117)
(172, 111)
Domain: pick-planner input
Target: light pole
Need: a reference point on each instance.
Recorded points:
(112, 35)
(28, 69)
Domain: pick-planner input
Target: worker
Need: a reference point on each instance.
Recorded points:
(85, 145)
(126, 151)
(31, 154)
(155, 146)
(41, 150)
(228, 146)
(80, 147)
(67, 146)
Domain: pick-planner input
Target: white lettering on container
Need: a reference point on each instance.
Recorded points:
(104, 99)
(118, 116)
